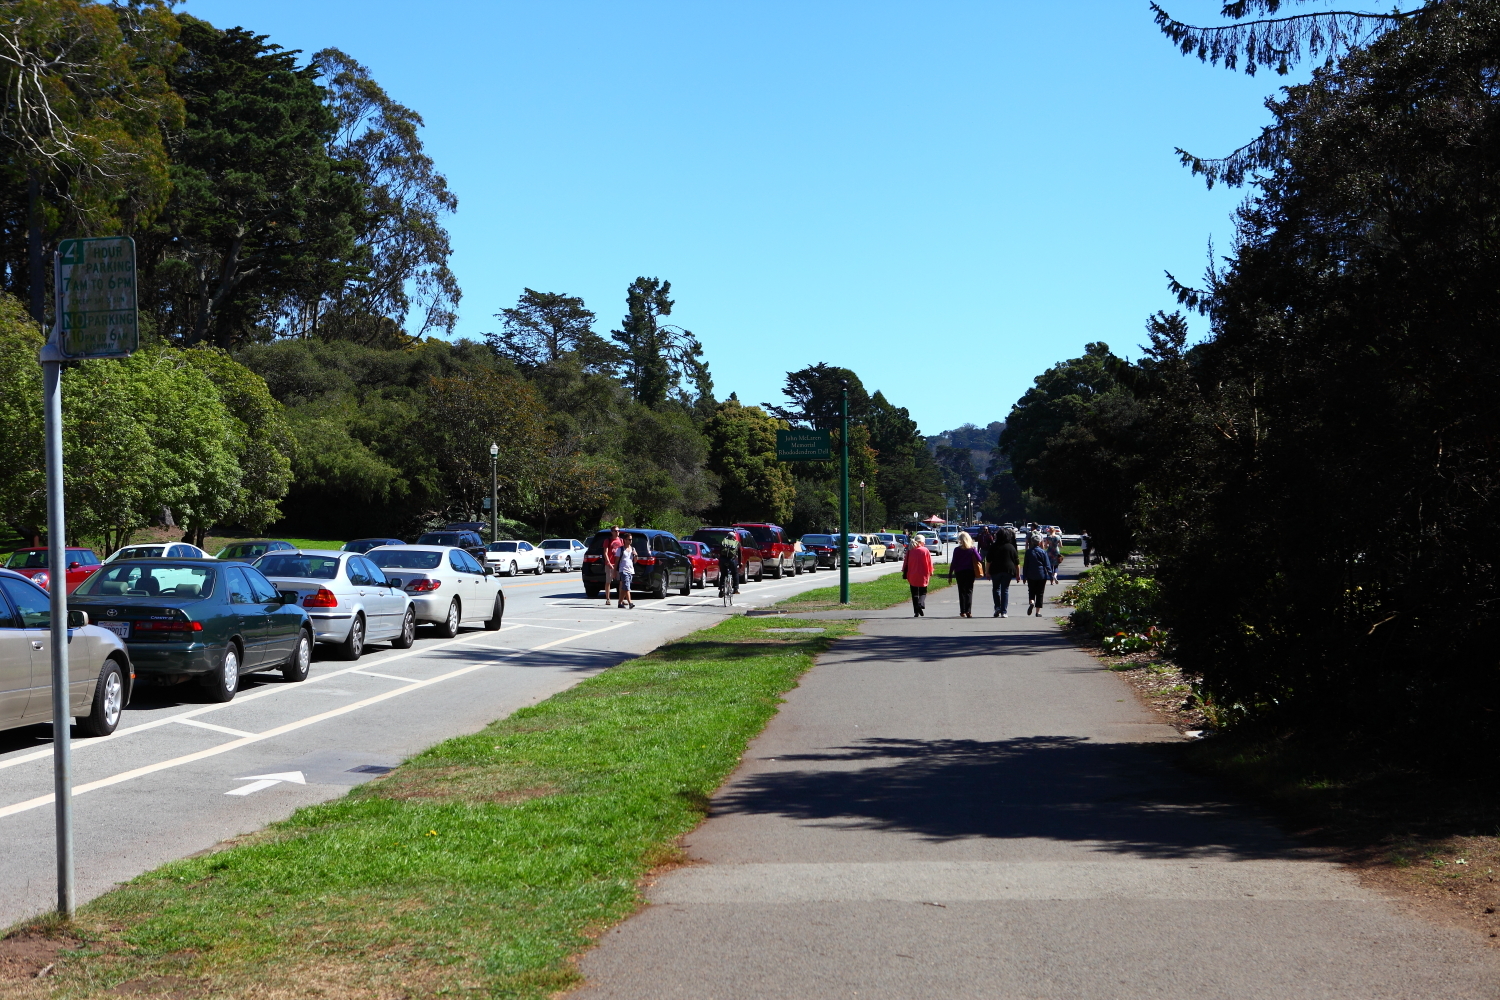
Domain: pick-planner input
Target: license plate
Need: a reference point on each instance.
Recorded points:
(121, 629)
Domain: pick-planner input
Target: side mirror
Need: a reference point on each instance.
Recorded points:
(78, 619)
(393, 581)
(288, 596)
(489, 570)
(74, 565)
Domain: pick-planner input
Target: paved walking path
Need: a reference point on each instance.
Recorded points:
(954, 808)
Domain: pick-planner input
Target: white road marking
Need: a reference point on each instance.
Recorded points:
(209, 725)
(262, 781)
(387, 677)
(163, 765)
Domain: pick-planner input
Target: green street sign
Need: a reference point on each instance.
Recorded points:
(803, 446)
(96, 300)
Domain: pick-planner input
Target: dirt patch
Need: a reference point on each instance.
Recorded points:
(473, 783)
(1160, 685)
(1455, 881)
(31, 955)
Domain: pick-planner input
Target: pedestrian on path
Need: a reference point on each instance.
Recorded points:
(1037, 570)
(626, 570)
(1053, 543)
(964, 567)
(1004, 565)
(1087, 545)
(983, 543)
(916, 569)
(612, 562)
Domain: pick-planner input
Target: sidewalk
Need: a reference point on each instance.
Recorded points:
(950, 808)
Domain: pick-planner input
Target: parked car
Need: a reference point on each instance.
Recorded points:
(363, 545)
(447, 585)
(860, 553)
(661, 563)
(32, 563)
(478, 527)
(562, 554)
(100, 676)
(248, 552)
(752, 559)
(775, 546)
(825, 549)
(705, 563)
(513, 558)
(347, 597)
(803, 559)
(203, 618)
(877, 547)
(164, 550)
(895, 545)
(469, 541)
(948, 532)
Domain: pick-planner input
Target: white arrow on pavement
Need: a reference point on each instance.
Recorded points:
(260, 781)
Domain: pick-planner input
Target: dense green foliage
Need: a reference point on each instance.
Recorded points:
(1118, 606)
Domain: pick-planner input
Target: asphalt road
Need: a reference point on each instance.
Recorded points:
(949, 809)
(179, 775)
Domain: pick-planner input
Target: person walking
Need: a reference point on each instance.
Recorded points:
(964, 567)
(1004, 565)
(1053, 544)
(1086, 544)
(611, 561)
(1037, 569)
(983, 542)
(625, 570)
(916, 569)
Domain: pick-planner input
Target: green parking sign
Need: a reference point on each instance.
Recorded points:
(96, 298)
(803, 446)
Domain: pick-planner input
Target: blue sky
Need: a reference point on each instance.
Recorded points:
(945, 197)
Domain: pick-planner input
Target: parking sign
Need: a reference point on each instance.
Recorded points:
(96, 298)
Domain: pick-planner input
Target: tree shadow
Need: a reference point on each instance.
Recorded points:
(941, 647)
(1118, 797)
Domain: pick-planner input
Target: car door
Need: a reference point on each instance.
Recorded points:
(250, 618)
(485, 587)
(465, 581)
(283, 621)
(383, 603)
(529, 556)
(15, 665)
(35, 613)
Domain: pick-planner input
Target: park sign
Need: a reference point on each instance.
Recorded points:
(96, 300)
(803, 446)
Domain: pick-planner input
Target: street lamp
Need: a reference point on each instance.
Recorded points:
(494, 491)
(861, 507)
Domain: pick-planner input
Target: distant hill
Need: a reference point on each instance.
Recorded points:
(979, 441)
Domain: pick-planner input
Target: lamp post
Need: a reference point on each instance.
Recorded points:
(844, 497)
(494, 490)
(862, 528)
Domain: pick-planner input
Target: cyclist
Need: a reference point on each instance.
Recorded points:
(729, 559)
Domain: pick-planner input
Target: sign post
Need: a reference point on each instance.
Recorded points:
(94, 283)
(844, 498)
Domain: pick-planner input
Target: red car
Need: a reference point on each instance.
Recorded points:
(82, 564)
(776, 549)
(752, 565)
(705, 563)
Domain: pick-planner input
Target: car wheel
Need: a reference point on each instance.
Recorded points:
(687, 585)
(496, 619)
(760, 572)
(592, 593)
(299, 664)
(700, 582)
(659, 587)
(513, 570)
(223, 682)
(538, 570)
(109, 701)
(568, 565)
(408, 630)
(449, 627)
(353, 647)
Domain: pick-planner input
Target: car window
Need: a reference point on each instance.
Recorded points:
(355, 569)
(8, 617)
(376, 574)
(502, 546)
(300, 566)
(260, 588)
(86, 558)
(557, 543)
(526, 547)
(466, 562)
(36, 559)
(30, 601)
(397, 559)
(134, 580)
(239, 587)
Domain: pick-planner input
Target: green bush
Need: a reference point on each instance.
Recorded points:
(1117, 606)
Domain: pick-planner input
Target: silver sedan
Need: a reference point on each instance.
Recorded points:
(99, 673)
(348, 598)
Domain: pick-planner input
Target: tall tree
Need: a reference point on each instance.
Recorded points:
(1060, 396)
(543, 326)
(658, 356)
(817, 394)
(753, 484)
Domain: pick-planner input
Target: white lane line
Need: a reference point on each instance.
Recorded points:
(264, 692)
(199, 724)
(384, 677)
(281, 730)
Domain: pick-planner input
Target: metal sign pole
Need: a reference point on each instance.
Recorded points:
(57, 573)
(844, 500)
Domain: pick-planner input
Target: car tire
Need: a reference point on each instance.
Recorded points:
(514, 570)
(776, 573)
(353, 647)
(659, 587)
(299, 664)
(496, 619)
(538, 570)
(700, 582)
(568, 565)
(448, 627)
(109, 701)
(223, 681)
(592, 593)
(687, 585)
(760, 574)
(408, 633)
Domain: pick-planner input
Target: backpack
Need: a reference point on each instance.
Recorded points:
(729, 548)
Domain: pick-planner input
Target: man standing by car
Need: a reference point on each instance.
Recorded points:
(612, 563)
(729, 558)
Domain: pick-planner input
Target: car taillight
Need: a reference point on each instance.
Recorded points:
(592, 558)
(423, 586)
(646, 561)
(324, 598)
(158, 626)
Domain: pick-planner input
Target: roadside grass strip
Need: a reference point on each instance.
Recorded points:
(477, 868)
(873, 595)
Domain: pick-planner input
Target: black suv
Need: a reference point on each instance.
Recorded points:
(469, 541)
(661, 563)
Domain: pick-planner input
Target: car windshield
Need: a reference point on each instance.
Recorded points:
(302, 567)
(366, 544)
(557, 543)
(244, 550)
(396, 559)
(35, 559)
(140, 552)
(817, 539)
(501, 547)
(763, 535)
(135, 580)
(440, 538)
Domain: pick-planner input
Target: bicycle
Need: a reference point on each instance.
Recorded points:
(726, 586)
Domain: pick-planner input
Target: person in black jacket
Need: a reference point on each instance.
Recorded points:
(1004, 565)
(1037, 568)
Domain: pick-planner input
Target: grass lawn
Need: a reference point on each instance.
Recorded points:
(884, 592)
(475, 869)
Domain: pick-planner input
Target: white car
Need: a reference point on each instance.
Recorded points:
(348, 598)
(512, 558)
(563, 554)
(447, 586)
(165, 550)
(99, 672)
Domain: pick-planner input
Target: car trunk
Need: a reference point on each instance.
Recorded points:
(120, 614)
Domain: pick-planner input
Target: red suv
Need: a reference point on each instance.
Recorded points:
(752, 565)
(82, 564)
(776, 549)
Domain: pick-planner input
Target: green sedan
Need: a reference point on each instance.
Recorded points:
(199, 618)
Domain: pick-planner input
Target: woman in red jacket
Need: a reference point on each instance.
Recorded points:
(916, 568)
